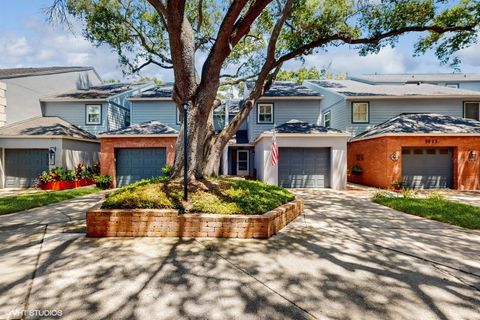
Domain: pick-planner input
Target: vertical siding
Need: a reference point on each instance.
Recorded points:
(283, 111)
(163, 111)
(74, 112)
(383, 110)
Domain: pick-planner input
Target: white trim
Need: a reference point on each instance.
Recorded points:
(91, 123)
(267, 98)
(48, 137)
(329, 112)
(244, 172)
(417, 135)
(167, 135)
(271, 105)
(412, 97)
(464, 110)
(301, 135)
(71, 100)
(151, 99)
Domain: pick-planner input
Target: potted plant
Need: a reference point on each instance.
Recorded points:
(103, 182)
(397, 185)
(357, 170)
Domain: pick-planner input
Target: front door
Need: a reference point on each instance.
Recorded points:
(243, 165)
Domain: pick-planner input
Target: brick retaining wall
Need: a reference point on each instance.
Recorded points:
(169, 223)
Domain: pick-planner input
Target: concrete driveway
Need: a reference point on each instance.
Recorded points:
(345, 258)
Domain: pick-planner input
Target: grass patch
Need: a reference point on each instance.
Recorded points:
(22, 202)
(216, 195)
(458, 214)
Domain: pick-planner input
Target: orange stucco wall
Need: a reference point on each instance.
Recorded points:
(108, 146)
(375, 158)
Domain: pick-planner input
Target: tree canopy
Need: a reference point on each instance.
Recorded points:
(208, 43)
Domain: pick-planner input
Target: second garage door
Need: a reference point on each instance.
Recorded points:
(134, 164)
(427, 168)
(23, 166)
(304, 167)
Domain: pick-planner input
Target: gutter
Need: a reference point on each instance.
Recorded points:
(302, 135)
(50, 137)
(431, 134)
(167, 135)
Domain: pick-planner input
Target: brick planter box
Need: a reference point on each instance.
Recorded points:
(169, 223)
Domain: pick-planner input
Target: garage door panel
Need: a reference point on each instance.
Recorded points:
(23, 166)
(304, 167)
(134, 164)
(427, 168)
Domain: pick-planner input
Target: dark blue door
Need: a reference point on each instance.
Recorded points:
(135, 164)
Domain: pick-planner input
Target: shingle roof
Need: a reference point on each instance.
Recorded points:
(104, 91)
(419, 77)
(233, 108)
(145, 128)
(27, 72)
(287, 89)
(418, 123)
(360, 89)
(159, 91)
(297, 126)
(45, 126)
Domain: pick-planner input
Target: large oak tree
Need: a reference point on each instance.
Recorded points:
(236, 40)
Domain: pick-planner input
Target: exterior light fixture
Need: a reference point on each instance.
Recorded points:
(51, 155)
(472, 155)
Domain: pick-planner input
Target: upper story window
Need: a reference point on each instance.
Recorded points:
(265, 113)
(179, 116)
(360, 112)
(327, 116)
(471, 110)
(93, 113)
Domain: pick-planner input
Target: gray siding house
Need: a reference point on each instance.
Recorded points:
(356, 106)
(25, 86)
(96, 109)
(466, 81)
(39, 144)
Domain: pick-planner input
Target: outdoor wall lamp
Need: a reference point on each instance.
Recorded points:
(185, 154)
(472, 155)
(51, 155)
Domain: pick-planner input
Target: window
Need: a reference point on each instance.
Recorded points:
(327, 119)
(360, 112)
(179, 116)
(265, 113)
(452, 85)
(93, 113)
(471, 110)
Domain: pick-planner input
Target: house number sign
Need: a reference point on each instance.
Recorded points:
(431, 141)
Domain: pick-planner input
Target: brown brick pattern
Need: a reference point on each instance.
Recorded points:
(379, 170)
(109, 145)
(169, 223)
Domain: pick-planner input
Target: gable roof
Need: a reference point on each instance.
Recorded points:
(418, 77)
(160, 92)
(145, 128)
(350, 88)
(100, 92)
(28, 72)
(422, 123)
(287, 89)
(45, 126)
(297, 126)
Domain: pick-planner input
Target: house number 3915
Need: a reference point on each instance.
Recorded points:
(431, 141)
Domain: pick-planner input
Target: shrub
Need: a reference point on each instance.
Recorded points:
(167, 171)
(380, 194)
(436, 196)
(357, 169)
(145, 196)
(409, 193)
(211, 203)
(103, 182)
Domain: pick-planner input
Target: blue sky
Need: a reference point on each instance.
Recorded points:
(27, 40)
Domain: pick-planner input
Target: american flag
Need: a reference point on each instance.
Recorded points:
(274, 150)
